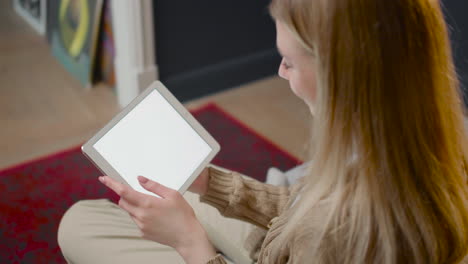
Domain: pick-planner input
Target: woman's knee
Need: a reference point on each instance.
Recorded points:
(70, 230)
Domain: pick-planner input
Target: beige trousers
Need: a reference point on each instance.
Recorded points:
(98, 231)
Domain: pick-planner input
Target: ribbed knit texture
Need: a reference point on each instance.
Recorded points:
(236, 196)
(249, 200)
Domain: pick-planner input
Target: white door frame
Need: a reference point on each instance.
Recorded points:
(135, 66)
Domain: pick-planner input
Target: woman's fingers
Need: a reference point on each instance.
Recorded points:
(134, 211)
(127, 207)
(124, 191)
(166, 220)
(117, 187)
(155, 187)
(131, 211)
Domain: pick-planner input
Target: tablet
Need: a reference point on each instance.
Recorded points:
(156, 137)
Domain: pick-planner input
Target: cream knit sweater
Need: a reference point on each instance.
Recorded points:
(252, 201)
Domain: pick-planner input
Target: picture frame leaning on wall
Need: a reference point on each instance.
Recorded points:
(34, 12)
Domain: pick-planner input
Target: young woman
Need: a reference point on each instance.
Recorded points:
(387, 181)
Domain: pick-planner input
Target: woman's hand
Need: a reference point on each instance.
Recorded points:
(200, 185)
(168, 220)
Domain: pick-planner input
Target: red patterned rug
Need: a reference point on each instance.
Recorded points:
(34, 195)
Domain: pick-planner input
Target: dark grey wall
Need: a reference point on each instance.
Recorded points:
(456, 12)
(208, 46)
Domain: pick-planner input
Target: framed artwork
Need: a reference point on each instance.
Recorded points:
(72, 29)
(34, 12)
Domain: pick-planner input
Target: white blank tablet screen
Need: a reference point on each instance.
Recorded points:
(153, 140)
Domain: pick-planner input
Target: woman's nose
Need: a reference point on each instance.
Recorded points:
(282, 71)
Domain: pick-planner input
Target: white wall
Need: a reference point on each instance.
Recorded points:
(135, 66)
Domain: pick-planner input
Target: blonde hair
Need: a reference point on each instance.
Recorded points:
(389, 145)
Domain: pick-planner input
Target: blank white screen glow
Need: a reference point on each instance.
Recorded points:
(153, 140)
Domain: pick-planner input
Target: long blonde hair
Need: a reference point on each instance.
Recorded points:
(389, 143)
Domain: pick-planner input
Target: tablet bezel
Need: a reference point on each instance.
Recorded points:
(100, 162)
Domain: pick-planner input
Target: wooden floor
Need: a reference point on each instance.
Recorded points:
(43, 109)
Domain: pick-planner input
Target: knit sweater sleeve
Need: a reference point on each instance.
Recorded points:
(218, 259)
(236, 196)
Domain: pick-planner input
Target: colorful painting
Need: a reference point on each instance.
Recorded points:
(72, 30)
